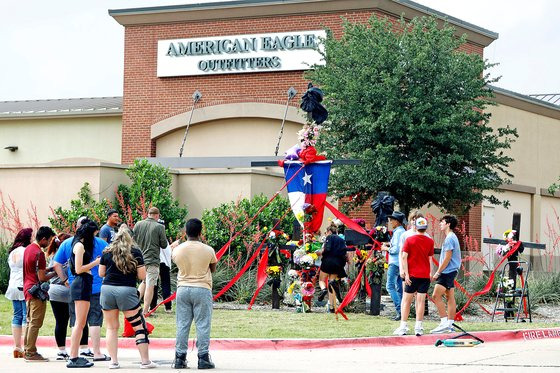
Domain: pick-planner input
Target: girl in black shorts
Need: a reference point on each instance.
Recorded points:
(333, 260)
(81, 264)
(121, 265)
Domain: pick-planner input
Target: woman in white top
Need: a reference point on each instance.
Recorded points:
(15, 287)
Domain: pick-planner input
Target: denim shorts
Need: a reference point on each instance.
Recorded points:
(122, 298)
(20, 313)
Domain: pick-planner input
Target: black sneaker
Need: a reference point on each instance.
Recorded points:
(397, 318)
(79, 362)
(180, 361)
(62, 355)
(204, 362)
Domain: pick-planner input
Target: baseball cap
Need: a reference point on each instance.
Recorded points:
(421, 223)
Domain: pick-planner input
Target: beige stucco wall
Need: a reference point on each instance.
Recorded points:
(536, 151)
(229, 137)
(46, 186)
(51, 139)
(203, 189)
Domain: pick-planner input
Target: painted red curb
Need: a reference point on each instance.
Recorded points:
(291, 344)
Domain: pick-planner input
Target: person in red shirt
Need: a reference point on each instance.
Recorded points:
(417, 253)
(35, 272)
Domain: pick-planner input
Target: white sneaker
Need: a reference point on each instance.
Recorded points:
(418, 331)
(440, 329)
(150, 365)
(401, 330)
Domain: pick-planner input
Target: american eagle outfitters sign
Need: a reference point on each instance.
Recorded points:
(240, 53)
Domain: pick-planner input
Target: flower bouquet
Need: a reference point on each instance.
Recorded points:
(309, 135)
(376, 266)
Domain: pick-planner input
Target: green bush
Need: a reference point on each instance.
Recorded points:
(544, 288)
(222, 222)
(150, 186)
(4, 267)
(64, 220)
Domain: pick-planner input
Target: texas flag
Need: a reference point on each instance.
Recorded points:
(308, 190)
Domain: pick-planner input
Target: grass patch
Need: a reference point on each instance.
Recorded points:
(276, 324)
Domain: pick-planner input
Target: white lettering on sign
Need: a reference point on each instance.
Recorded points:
(285, 51)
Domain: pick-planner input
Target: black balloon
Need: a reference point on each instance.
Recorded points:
(311, 103)
(382, 207)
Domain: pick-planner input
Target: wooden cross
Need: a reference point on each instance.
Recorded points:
(516, 226)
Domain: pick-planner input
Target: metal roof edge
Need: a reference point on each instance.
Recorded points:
(450, 19)
(245, 3)
(525, 98)
(74, 114)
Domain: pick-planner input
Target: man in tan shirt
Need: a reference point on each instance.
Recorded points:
(196, 262)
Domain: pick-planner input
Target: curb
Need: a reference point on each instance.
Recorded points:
(294, 344)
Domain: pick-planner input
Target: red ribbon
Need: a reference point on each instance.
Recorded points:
(224, 248)
(251, 259)
(353, 291)
(490, 282)
(241, 272)
(261, 276)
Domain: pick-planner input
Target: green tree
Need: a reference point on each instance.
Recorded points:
(409, 104)
(150, 186)
(64, 220)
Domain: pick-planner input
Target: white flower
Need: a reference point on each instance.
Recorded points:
(306, 260)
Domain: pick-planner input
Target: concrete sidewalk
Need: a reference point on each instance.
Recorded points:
(515, 356)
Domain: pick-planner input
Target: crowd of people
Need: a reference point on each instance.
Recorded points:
(91, 277)
(411, 271)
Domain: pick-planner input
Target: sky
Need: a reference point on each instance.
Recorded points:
(69, 48)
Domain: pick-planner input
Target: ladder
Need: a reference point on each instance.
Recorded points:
(507, 295)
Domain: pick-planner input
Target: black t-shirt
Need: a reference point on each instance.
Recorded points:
(113, 276)
(334, 247)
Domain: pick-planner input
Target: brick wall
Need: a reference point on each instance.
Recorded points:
(149, 99)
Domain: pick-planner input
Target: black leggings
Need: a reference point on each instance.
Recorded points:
(165, 284)
(61, 316)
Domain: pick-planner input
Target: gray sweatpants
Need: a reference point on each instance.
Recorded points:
(193, 303)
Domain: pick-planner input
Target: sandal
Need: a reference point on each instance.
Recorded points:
(18, 353)
(103, 358)
(79, 362)
(86, 353)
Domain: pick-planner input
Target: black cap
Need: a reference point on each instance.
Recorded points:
(398, 216)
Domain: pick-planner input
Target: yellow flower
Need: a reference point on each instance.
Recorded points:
(291, 288)
(314, 256)
(300, 215)
(385, 266)
(265, 229)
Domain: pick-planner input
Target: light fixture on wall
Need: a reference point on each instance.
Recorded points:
(11, 148)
